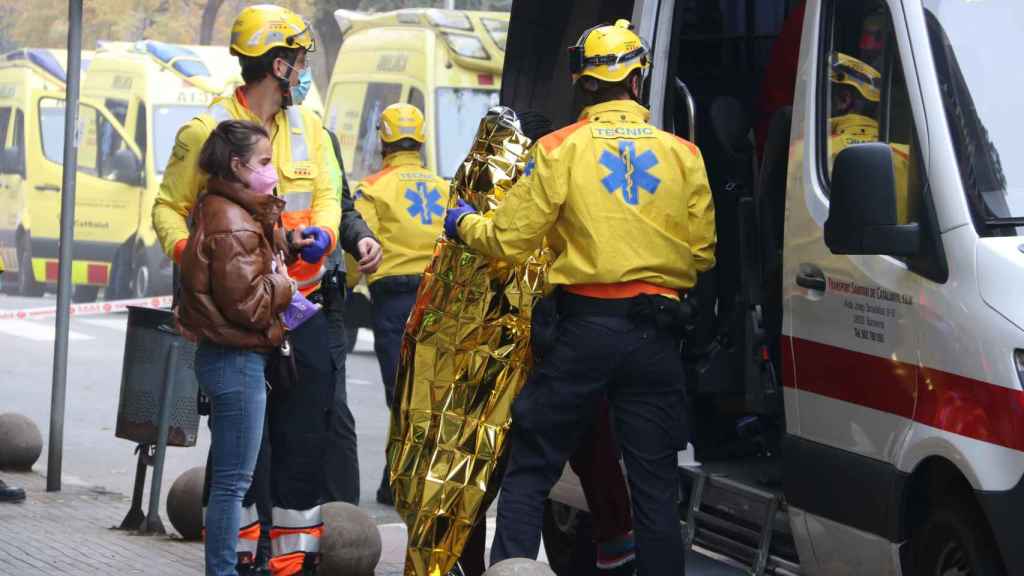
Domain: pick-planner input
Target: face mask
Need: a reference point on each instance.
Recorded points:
(300, 90)
(263, 179)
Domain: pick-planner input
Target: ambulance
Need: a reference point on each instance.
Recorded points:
(855, 369)
(134, 99)
(445, 62)
(26, 150)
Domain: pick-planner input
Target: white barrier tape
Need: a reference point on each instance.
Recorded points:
(90, 309)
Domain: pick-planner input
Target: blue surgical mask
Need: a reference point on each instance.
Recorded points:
(300, 90)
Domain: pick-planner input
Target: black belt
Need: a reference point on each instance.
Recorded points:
(662, 310)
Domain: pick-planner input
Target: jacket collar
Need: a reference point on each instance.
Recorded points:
(404, 158)
(264, 208)
(852, 123)
(616, 111)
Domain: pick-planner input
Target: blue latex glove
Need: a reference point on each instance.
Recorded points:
(321, 242)
(451, 218)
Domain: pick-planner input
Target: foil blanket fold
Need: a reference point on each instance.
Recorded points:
(465, 356)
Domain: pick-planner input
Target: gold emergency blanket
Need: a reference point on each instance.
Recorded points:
(465, 356)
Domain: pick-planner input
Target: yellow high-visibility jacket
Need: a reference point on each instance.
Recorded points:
(617, 200)
(299, 147)
(404, 205)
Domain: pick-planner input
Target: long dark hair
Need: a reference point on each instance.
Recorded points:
(230, 139)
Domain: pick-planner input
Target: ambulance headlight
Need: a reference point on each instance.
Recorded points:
(446, 19)
(466, 45)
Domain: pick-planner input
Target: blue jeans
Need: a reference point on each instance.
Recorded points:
(233, 380)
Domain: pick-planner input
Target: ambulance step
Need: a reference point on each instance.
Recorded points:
(739, 523)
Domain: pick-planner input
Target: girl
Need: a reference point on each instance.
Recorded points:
(234, 290)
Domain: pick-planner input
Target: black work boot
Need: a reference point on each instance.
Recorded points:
(8, 494)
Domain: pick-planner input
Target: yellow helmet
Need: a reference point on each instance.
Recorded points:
(400, 121)
(608, 53)
(259, 28)
(852, 72)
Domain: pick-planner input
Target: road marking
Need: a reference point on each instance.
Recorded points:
(37, 331)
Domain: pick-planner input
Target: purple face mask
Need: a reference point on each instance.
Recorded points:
(263, 179)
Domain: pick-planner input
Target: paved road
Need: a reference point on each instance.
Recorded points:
(94, 458)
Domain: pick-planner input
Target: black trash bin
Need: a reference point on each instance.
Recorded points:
(151, 334)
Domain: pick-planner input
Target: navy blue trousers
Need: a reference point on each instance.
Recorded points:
(639, 367)
(393, 298)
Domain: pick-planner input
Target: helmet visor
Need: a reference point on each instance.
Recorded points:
(303, 39)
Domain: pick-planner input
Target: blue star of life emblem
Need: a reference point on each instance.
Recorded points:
(530, 165)
(424, 204)
(630, 172)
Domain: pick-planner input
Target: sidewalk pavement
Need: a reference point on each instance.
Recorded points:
(69, 533)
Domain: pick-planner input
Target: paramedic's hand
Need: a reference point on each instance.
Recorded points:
(452, 217)
(320, 242)
(370, 255)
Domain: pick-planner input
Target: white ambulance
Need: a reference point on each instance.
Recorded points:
(856, 369)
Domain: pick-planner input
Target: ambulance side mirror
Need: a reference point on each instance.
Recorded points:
(862, 205)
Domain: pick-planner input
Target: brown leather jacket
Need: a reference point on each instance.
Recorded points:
(229, 293)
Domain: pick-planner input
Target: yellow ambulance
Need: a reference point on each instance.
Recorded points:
(30, 144)
(446, 62)
(134, 99)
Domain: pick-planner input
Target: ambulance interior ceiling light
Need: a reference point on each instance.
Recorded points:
(448, 19)
(41, 58)
(466, 45)
(498, 30)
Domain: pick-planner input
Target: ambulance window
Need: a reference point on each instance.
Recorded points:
(367, 157)
(118, 109)
(18, 139)
(864, 95)
(416, 98)
(140, 128)
(51, 130)
(5, 121)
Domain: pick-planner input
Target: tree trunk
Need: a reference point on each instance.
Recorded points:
(209, 21)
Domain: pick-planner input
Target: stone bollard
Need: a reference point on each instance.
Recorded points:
(185, 503)
(519, 567)
(20, 442)
(350, 545)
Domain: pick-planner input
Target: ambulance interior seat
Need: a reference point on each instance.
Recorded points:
(731, 382)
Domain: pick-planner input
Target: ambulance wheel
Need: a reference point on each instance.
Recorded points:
(567, 540)
(27, 285)
(119, 284)
(85, 294)
(955, 541)
(142, 278)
